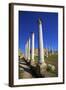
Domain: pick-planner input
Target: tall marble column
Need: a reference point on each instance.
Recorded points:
(32, 46)
(41, 49)
(29, 49)
(26, 50)
(46, 52)
(41, 66)
(52, 51)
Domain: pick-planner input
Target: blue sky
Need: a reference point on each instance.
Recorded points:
(28, 22)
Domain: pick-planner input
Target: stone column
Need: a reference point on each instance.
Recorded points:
(46, 52)
(32, 52)
(29, 49)
(41, 66)
(52, 51)
(32, 56)
(26, 50)
(41, 49)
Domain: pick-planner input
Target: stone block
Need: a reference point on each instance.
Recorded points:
(51, 67)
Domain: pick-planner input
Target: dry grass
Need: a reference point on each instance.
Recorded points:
(53, 60)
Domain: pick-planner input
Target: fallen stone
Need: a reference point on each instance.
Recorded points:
(51, 67)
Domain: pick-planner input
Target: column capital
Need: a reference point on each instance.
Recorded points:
(39, 21)
(32, 32)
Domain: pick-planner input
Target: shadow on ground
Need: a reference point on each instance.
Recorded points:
(30, 69)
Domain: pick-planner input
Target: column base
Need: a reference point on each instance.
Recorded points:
(41, 68)
(33, 63)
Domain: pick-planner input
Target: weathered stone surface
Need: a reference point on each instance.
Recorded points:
(33, 63)
(51, 67)
(41, 68)
(24, 70)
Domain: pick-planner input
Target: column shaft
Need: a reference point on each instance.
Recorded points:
(26, 50)
(29, 49)
(41, 49)
(33, 46)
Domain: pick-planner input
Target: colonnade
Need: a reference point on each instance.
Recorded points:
(40, 45)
